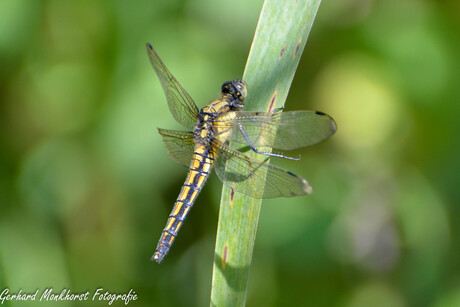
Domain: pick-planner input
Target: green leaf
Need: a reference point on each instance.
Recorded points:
(278, 44)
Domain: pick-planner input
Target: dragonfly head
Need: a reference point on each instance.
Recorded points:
(236, 91)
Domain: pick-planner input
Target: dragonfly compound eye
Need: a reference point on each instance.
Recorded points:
(240, 89)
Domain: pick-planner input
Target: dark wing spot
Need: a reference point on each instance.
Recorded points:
(292, 174)
(320, 113)
(232, 195)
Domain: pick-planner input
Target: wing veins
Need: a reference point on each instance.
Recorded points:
(180, 103)
(256, 178)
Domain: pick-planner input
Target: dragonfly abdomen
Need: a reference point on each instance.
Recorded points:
(200, 168)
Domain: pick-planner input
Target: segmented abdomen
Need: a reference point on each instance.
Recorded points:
(200, 168)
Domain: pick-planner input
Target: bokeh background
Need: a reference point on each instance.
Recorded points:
(86, 185)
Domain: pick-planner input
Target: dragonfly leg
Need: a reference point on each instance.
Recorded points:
(278, 110)
(253, 148)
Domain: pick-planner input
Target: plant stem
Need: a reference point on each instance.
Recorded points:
(278, 44)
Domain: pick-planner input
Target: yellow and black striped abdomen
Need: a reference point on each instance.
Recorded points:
(200, 168)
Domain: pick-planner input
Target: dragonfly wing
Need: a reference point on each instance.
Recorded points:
(256, 178)
(181, 105)
(180, 145)
(280, 130)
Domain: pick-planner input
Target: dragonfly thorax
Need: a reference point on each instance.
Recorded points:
(232, 99)
(203, 131)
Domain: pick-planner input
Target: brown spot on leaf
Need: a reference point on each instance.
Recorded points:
(273, 101)
(297, 48)
(282, 51)
(224, 256)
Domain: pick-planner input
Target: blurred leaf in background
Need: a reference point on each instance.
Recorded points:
(86, 185)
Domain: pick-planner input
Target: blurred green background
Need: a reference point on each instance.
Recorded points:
(86, 185)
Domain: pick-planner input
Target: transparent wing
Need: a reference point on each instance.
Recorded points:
(281, 130)
(179, 144)
(256, 178)
(180, 103)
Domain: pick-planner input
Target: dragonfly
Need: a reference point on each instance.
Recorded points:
(209, 143)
